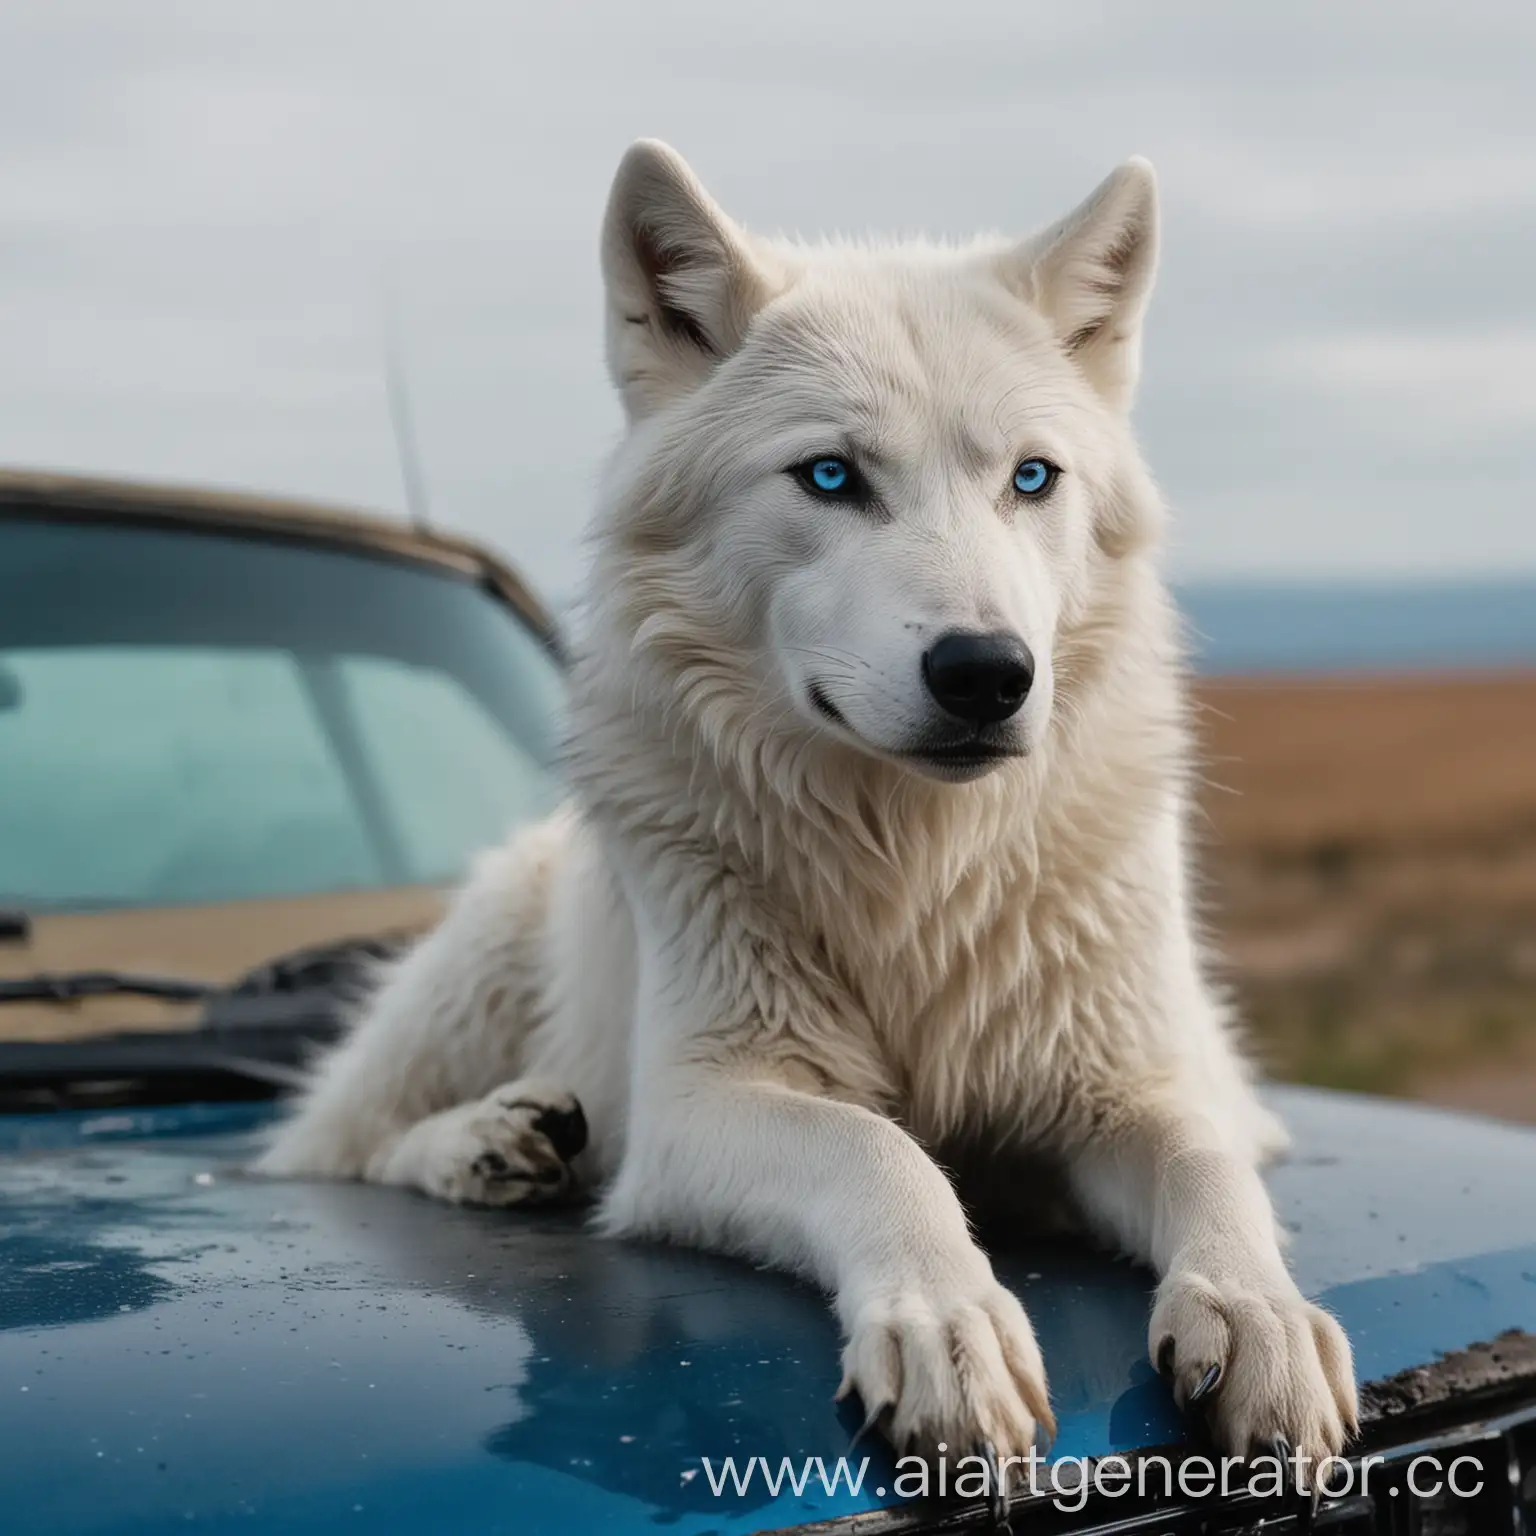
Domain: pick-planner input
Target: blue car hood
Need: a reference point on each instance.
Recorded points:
(185, 1347)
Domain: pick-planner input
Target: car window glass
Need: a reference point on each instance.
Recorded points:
(446, 770)
(170, 775)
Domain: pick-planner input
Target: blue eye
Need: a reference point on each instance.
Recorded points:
(1034, 477)
(830, 475)
(834, 478)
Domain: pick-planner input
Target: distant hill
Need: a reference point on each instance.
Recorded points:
(1245, 627)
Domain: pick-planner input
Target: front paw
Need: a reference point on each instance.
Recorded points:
(1272, 1373)
(959, 1370)
(514, 1147)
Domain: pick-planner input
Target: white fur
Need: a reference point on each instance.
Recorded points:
(777, 959)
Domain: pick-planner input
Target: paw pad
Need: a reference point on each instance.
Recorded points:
(564, 1129)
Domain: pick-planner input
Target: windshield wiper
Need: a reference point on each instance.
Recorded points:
(272, 1053)
(253, 1039)
(155, 1067)
(66, 986)
(328, 969)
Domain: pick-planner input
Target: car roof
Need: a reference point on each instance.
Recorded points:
(65, 497)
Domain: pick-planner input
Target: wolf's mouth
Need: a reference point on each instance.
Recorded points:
(949, 759)
(963, 754)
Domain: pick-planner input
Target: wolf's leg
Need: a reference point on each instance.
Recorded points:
(937, 1350)
(449, 1024)
(754, 1081)
(1230, 1328)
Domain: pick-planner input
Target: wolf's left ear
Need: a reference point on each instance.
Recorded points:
(1091, 276)
(683, 283)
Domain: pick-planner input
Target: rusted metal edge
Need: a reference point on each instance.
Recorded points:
(1475, 1376)
(1500, 1362)
(82, 496)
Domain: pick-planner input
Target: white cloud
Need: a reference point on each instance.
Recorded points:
(197, 205)
(1482, 382)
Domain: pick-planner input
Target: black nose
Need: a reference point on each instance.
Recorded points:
(979, 678)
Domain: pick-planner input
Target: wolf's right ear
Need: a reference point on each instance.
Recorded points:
(1091, 275)
(683, 284)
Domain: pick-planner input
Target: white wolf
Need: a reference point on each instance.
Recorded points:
(880, 767)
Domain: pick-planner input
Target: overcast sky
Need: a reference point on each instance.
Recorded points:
(200, 202)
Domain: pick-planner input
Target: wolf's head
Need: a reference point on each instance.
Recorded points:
(869, 491)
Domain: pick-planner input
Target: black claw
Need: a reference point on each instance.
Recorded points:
(1280, 1448)
(1207, 1383)
(997, 1494)
(1303, 1512)
(564, 1129)
(871, 1421)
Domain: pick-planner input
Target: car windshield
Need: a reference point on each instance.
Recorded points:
(189, 717)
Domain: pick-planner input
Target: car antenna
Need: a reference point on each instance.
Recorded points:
(401, 421)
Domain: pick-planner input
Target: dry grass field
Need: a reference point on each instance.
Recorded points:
(1370, 869)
